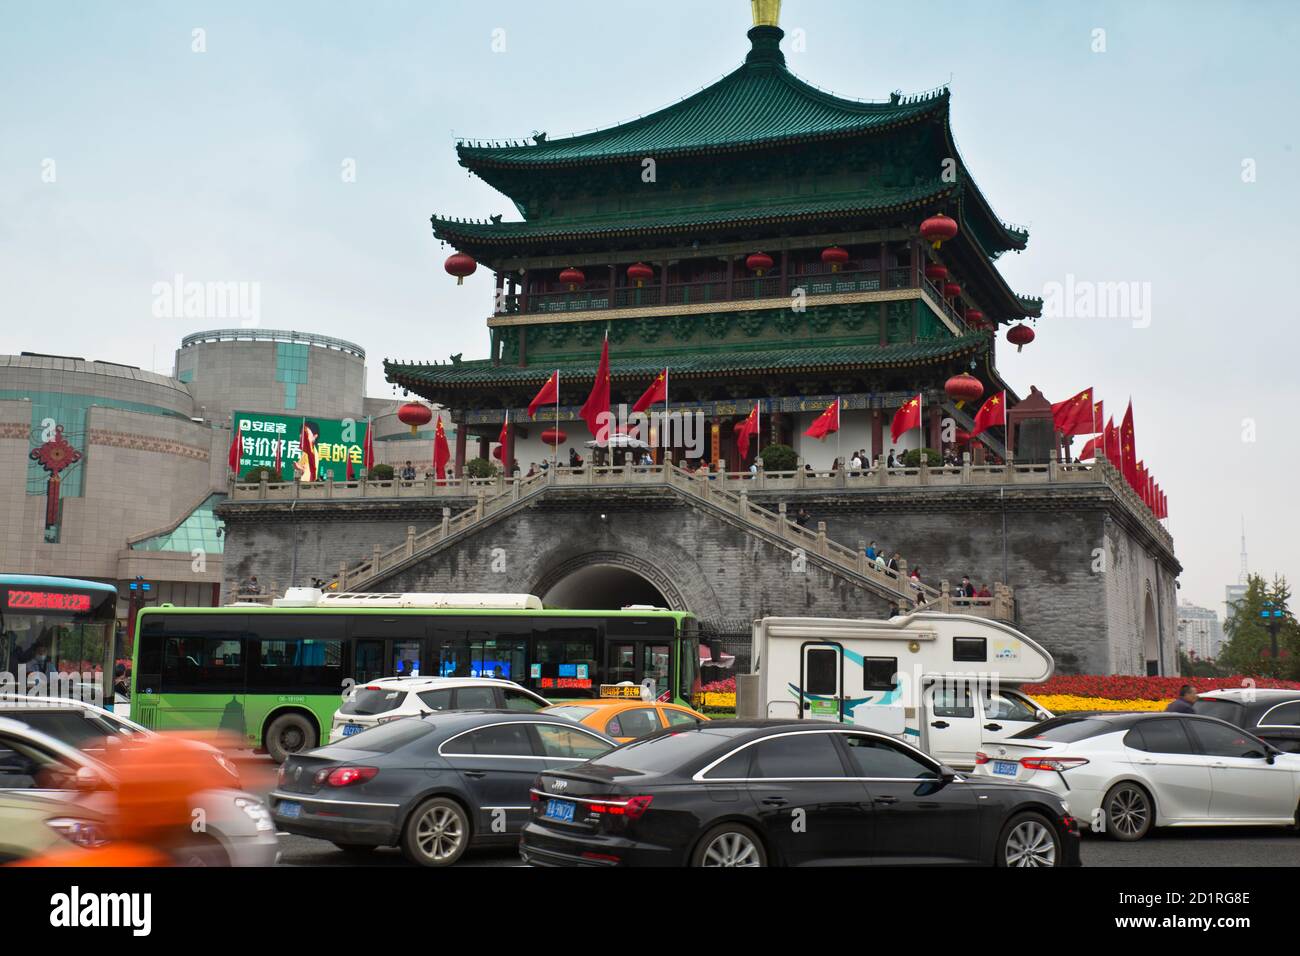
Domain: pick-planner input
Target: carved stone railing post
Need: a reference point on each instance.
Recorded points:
(446, 522)
(410, 541)
(781, 526)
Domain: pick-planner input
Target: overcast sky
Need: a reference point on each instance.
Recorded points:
(1149, 142)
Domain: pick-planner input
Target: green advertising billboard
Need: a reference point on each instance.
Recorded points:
(337, 442)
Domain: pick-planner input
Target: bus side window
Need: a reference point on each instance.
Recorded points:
(149, 677)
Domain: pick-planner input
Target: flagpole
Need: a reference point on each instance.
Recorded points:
(555, 449)
(839, 427)
(663, 427)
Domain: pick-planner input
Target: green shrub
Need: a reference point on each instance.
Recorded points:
(381, 473)
(480, 468)
(779, 458)
(912, 459)
(256, 473)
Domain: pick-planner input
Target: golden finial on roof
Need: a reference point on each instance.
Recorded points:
(767, 13)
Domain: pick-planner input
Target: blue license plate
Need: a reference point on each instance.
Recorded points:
(290, 809)
(561, 810)
(1006, 768)
(350, 729)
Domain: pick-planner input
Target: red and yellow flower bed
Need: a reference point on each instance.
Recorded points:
(719, 695)
(1071, 692)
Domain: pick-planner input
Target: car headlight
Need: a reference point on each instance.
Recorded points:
(84, 833)
(256, 812)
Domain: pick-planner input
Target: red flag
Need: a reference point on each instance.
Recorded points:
(1098, 418)
(505, 432)
(747, 430)
(1089, 450)
(1140, 486)
(992, 412)
(1074, 416)
(236, 448)
(549, 395)
(279, 465)
(1111, 444)
(657, 392)
(368, 448)
(906, 418)
(350, 475)
(441, 453)
(307, 453)
(597, 405)
(1128, 448)
(827, 423)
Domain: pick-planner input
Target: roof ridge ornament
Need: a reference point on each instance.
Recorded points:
(767, 13)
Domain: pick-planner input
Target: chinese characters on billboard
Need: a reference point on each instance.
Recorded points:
(337, 443)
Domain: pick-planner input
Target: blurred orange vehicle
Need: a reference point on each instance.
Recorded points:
(625, 718)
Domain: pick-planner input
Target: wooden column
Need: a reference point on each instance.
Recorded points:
(935, 426)
(523, 294)
(460, 451)
(731, 277)
(485, 448)
(508, 453)
(884, 267)
(523, 345)
(785, 271)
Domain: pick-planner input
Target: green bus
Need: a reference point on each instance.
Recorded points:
(244, 669)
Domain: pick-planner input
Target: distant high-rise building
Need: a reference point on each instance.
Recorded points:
(1199, 631)
(1235, 592)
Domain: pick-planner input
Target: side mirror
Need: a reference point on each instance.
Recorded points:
(947, 774)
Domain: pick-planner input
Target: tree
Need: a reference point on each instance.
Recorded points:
(480, 468)
(778, 458)
(1248, 648)
(912, 458)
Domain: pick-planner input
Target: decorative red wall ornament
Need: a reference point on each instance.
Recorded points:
(54, 456)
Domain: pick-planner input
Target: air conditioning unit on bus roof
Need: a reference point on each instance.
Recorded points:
(310, 597)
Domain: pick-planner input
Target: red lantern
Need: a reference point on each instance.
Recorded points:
(936, 273)
(964, 388)
(759, 263)
(554, 437)
(460, 266)
(496, 453)
(415, 415)
(640, 273)
(1020, 336)
(572, 278)
(835, 257)
(938, 229)
(974, 318)
(951, 290)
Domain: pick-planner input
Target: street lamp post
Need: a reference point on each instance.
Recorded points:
(1272, 614)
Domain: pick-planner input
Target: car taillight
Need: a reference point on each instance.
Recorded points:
(630, 808)
(345, 776)
(1051, 763)
(279, 775)
(981, 757)
(1071, 824)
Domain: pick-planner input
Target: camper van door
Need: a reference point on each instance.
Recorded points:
(953, 731)
(1007, 712)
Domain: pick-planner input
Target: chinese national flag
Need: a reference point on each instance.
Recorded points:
(1140, 484)
(236, 447)
(747, 430)
(441, 452)
(1098, 418)
(992, 412)
(596, 407)
(657, 392)
(1089, 450)
(368, 448)
(827, 423)
(505, 431)
(906, 418)
(1128, 449)
(1111, 444)
(1074, 416)
(549, 395)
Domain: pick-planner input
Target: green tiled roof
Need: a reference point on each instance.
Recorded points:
(784, 360)
(760, 103)
(881, 199)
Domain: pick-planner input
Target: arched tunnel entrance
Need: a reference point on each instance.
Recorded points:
(603, 587)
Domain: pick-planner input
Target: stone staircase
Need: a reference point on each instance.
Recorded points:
(700, 491)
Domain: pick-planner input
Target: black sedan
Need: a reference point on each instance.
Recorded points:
(790, 793)
(433, 786)
(1271, 715)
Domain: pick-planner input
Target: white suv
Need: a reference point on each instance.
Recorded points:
(391, 698)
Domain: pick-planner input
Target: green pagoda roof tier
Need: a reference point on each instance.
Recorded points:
(471, 234)
(442, 378)
(759, 104)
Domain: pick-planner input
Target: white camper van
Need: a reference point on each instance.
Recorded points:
(943, 682)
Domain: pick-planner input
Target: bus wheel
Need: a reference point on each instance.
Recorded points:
(289, 734)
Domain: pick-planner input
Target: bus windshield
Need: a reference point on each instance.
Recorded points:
(56, 637)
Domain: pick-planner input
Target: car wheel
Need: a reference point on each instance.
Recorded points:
(289, 734)
(730, 844)
(1129, 812)
(436, 834)
(205, 851)
(1029, 840)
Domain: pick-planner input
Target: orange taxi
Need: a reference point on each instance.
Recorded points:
(625, 717)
